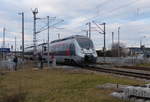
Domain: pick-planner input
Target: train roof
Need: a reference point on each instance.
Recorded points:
(29, 47)
(37, 45)
(71, 37)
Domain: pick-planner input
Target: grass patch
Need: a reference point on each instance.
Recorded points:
(58, 85)
(14, 97)
(144, 65)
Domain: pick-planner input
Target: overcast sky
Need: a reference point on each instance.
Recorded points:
(132, 16)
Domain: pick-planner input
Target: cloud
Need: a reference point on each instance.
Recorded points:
(132, 16)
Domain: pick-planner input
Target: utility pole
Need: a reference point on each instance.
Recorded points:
(15, 46)
(8, 45)
(104, 41)
(4, 37)
(140, 43)
(34, 29)
(22, 14)
(118, 41)
(3, 46)
(112, 43)
(89, 30)
(112, 38)
(103, 31)
(87, 33)
(58, 35)
(48, 42)
(104, 37)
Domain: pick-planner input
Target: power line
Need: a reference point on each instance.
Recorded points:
(109, 15)
(117, 8)
(71, 30)
(104, 2)
(110, 12)
(102, 31)
(49, 27)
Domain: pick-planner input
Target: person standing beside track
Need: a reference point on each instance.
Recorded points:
(40, 61)
(53, 60)
(15, 60)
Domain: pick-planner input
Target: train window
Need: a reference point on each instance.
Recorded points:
(45, 48)
(85, 43)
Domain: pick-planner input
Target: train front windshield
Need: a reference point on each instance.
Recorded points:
(85, 43)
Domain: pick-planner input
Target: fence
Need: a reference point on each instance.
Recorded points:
(9, 64)
(123, 60)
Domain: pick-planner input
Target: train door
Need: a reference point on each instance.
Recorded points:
(72, 49)
(44, 52)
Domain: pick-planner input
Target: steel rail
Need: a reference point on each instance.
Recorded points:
(135, 74)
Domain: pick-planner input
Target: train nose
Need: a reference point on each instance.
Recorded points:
(89, 59)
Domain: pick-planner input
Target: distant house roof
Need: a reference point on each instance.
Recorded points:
(139, 50)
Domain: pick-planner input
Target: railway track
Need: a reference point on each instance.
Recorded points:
(135, 74)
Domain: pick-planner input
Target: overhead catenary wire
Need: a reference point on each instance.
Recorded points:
(113, 10)
(48, 27)
(110, 12)
(116, 9)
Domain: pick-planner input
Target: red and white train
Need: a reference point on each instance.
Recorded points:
(75, 49)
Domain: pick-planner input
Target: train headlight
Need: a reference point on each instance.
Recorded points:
(82, 51)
